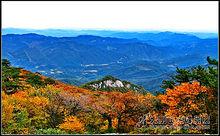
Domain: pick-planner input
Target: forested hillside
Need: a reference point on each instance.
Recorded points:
(35, 104)
(144, 59)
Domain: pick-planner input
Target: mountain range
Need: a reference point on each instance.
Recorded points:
(144, 60)
(108, 33)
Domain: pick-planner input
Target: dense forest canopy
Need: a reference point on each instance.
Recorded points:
(35, 104)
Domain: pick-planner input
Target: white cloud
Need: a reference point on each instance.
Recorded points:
(141, 15)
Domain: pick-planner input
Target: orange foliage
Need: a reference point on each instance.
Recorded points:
(185, 100)
(72, 89)
(72, 124)
(123, 109)
(182, 99)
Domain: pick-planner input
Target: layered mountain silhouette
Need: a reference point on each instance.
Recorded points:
(77, 60)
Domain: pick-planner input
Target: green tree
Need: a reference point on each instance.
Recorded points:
(6, 63)
(212, 61)
(10, 77)
(207, 76)
(49, 81)
(34, 80)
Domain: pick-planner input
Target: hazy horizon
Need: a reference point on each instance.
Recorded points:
(119, 30)
(200, 16)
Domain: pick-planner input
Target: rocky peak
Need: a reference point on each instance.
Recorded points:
(111, 83)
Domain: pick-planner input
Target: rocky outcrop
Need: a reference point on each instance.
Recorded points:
(110, 83)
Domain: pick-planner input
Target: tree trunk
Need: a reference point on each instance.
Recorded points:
(109, 122)
(119, 124)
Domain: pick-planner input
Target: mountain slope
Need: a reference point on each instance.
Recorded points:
(110, 83)
(35, 49)
(84, 58)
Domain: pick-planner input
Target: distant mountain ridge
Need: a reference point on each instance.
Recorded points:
(105, 33)
(85, 58)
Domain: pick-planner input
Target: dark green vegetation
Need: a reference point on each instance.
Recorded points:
(206, 76)
(34, 80)
(10, 77)
(13, 79)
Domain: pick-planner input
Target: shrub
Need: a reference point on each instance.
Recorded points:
(49, 81)
(34, 80)
(50, 131)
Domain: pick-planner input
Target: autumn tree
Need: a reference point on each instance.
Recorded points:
(206, 76)
(56, 111)
(72, 124)
(125, 107)
(23, 113)
(187, 99)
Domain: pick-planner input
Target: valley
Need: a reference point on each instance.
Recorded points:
(145, 59)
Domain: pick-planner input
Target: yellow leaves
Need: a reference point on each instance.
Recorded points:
(39, 101)
(194, 106)
(72, 124)
(25, 101)
(25, 131)
(22, 99)
(105, 126)
(114, 122)
(91, 118)
(7, 110)
(4, 96)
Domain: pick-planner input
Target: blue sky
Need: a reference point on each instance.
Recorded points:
(112, 15)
